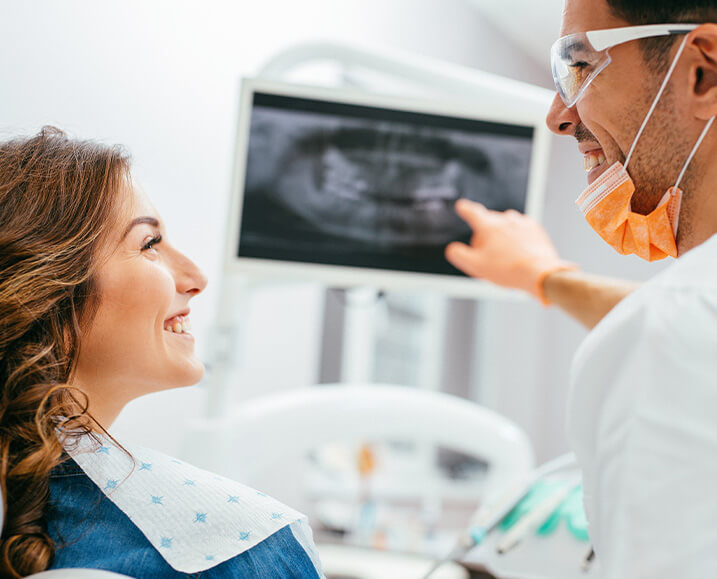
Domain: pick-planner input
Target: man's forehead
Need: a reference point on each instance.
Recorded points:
(584, 15)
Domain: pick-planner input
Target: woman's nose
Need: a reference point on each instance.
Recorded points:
(189, 278)
(562, 120)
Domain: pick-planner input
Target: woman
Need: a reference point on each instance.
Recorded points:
(94, 311)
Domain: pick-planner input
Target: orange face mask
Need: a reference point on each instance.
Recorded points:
(606, 206)
(606, 203)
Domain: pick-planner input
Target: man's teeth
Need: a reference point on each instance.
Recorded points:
(594, 159)
(178, 325)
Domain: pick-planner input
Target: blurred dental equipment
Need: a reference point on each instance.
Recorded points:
(533, 519)
(489, 516)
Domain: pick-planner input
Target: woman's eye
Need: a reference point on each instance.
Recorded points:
(155, 240)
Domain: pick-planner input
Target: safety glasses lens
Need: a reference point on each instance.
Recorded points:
(574, 64)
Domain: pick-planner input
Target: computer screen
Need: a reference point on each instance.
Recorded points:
(340, 180)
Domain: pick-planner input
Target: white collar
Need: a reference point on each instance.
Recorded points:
(194, 518)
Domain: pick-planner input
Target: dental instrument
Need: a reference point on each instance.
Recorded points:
(489, 516)
(536, 517)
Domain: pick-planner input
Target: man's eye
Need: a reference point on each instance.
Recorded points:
(151, 242)
(579, 71)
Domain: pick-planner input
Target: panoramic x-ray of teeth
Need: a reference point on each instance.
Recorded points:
(333, 189)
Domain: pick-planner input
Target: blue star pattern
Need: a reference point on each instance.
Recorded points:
(140, 474)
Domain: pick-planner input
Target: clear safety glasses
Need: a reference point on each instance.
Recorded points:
(578, 58)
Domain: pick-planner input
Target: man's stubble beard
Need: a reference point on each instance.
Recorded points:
(658, 157)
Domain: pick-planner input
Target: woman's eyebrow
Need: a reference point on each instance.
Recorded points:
(139, 220)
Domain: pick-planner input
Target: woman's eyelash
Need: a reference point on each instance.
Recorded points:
(156, 239)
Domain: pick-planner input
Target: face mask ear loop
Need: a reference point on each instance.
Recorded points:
(654, 102)
(694, 150)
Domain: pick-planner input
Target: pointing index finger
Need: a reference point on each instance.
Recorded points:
(474, 214)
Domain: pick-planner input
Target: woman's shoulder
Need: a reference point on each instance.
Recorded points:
(283, 555)
(145, 510)
(90, 531)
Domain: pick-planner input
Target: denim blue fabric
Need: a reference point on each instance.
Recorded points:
(90, 531)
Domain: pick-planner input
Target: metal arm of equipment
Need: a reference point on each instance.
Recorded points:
(481, 87)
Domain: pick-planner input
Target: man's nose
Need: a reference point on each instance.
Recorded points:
(561, 119)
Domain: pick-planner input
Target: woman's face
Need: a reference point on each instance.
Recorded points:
(138, 341)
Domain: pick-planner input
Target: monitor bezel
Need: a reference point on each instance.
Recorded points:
(271, 270)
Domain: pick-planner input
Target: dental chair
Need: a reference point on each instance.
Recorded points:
(296, 422)
(66, 573)
(260, 433)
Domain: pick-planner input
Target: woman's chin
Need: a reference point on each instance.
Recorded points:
(190, 374)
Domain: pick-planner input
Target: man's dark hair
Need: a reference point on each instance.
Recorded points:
(638, 12)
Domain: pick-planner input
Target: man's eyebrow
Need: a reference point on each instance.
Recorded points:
(576, 46)
(139, 220)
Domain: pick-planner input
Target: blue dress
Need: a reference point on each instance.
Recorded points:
(90, 531)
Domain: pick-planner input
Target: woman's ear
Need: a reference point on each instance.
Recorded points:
(703, 75)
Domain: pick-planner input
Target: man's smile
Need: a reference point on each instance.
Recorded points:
(594, 160)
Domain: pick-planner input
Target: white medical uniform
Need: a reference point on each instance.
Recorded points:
(642, 419)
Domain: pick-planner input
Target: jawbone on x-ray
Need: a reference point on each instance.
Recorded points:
(375, 185)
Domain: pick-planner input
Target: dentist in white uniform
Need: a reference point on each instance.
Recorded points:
(642, 410)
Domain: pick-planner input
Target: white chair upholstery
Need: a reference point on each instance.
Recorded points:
(295, 422)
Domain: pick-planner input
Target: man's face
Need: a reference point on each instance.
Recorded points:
(609, 114)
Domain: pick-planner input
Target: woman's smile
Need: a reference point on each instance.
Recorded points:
(179, 324)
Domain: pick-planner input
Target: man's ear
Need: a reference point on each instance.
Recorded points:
(703, 75)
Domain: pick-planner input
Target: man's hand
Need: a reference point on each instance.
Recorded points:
(513, 250)
(507, 248)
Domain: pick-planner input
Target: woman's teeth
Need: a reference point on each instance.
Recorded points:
(178, 325)
(594, 159)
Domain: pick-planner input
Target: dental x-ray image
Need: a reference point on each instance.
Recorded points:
(342, 184)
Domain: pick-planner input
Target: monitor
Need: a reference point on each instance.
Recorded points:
(353, 189)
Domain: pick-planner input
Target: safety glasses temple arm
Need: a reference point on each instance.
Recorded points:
(602, 39)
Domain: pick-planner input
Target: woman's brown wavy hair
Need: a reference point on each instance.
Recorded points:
(59, 198)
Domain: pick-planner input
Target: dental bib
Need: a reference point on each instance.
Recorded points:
(194, 518)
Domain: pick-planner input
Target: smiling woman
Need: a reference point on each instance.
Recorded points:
(146, 285)
(94, 312)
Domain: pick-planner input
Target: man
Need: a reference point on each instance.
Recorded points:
(643, 405)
